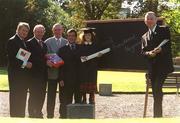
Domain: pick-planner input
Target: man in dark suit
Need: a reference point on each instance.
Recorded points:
(69, 83)
(159, 58)
(37, 89)
(18, 74)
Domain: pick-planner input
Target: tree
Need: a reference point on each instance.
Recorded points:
(172, 18)
(145, 6)
(11, 12)
(93, 9)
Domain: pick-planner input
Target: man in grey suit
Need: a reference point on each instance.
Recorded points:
(53, 45)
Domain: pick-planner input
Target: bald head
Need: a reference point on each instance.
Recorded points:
(150, 19)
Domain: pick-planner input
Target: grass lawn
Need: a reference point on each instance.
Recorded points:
(121, 81)
(3, 79)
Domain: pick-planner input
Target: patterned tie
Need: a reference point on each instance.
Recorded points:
(150, 34)
(72, 46)
(41, 43)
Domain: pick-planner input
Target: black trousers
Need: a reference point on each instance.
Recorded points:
(66, 97)
(157, 81)
(37, 92)
(51, 97)
(18, 86)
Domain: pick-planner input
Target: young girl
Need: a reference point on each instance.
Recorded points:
(88, 69)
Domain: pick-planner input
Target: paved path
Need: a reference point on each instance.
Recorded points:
(116, 106)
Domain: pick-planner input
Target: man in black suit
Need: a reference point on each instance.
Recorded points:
(18, 75)
(159, 58)
(69, 83)
(37, 89)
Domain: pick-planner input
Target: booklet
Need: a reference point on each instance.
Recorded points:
(55, 59)
(23, 55)
(95, 54)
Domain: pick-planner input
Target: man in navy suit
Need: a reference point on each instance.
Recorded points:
(37, 89)
(69, 82)
(159, 58)
(18, 75)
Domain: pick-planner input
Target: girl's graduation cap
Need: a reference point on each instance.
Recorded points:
(88, 29)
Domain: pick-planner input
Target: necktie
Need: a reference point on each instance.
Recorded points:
(24, 44)
(150, 34)
(40, 43)
(72, 46)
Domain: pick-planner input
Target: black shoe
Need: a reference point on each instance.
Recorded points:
(84, 102)
(91, 102)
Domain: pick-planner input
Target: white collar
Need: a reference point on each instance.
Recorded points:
(19, 36)
(153, 29)
(87, 43)
(58, 39)
(69, 44)
(38, 40)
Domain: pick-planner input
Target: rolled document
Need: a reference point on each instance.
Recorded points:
(162, 43)
(95, 54)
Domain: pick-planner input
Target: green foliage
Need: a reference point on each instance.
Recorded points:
(147, 5)
(172, 18)
(112, 11)
(94, 9)
(11, 12)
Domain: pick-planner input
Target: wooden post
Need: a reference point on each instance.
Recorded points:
(146, 95)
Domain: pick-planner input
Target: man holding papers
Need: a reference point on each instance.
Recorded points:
(156, 48)
(18, 73)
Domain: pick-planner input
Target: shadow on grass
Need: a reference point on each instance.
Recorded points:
(3, 71)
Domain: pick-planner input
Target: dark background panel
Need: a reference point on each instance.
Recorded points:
(126, 37)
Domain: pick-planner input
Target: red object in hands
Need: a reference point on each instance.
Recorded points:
(55, 59)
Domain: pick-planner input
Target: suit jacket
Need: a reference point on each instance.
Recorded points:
(53, 46)
(38, 59)
(70, 69)
(162, 62)
(15, 72)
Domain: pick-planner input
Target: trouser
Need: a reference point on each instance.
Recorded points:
(91, 98)
(17, 98)
(77, 94)
(37, 93)
(51, 97)
(66, 97)
(157, 81)
(18, 86)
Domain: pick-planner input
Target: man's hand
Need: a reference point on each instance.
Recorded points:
(151, 53)
(84, 58)
(61, 83)
(157, 50)
(49, 63)
(99, 55)
(29, 65)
